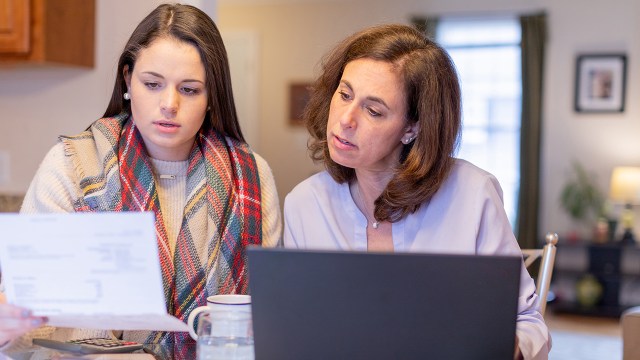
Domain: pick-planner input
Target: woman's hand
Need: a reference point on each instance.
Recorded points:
(16, 321)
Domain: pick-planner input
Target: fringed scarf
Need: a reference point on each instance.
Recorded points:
(222, 215)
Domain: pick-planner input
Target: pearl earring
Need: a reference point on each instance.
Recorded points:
(126, 96)
(406, 141)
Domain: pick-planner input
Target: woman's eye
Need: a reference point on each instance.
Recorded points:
(373, 112)
(152, 85)
(190, 91)
(344, 95)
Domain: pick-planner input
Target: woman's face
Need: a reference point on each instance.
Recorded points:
(168, 97)
(367, 117)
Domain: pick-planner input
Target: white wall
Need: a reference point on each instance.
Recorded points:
(295, 34)
(37, 104)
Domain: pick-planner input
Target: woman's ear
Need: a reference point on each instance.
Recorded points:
(127, 76)
(411, 132)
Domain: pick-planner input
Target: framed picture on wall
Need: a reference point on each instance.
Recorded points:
(600, 82)
(299, 94)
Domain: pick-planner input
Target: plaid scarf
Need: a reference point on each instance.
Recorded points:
(222, 214)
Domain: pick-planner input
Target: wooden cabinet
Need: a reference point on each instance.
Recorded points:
(14, 26)
(47, 32)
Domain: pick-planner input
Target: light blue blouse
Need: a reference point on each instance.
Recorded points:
(465, 216)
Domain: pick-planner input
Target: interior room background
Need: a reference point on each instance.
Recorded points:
(274, 43)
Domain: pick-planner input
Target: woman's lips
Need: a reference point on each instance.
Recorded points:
(166, 123)
(342, 143)
(166, 126)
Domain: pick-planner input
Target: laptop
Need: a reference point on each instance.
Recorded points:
(356, 305)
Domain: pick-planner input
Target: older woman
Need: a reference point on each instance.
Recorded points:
(385, 119)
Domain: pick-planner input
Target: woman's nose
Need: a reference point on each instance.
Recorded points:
(169, 102)
(349, 116)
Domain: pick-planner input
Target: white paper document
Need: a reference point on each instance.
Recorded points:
(86, 270)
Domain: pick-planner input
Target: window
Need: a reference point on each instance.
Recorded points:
(487, 56)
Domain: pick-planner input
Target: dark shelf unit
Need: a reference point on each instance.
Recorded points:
(604, 263)
(609, 311)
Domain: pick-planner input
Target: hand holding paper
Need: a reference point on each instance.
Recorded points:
(89, 270)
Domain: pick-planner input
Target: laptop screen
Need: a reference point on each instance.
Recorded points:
(356, 305)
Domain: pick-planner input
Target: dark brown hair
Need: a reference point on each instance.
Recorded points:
(433, 101)
(189, 24)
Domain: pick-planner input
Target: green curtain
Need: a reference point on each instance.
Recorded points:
(426, 25)
(534, 34)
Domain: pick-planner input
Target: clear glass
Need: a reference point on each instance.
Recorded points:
(217, 348)
(224, 335)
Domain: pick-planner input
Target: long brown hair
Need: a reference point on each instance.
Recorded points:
(189, 24)
(433, 101)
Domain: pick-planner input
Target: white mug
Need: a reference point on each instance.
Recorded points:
(230, 315)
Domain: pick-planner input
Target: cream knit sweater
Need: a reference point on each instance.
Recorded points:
(55, 187)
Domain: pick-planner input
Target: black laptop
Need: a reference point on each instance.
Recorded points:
(355, 305)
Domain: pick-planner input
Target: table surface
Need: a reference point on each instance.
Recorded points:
(46, 354)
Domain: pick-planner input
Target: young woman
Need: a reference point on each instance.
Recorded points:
(169, 142)
(385, 118)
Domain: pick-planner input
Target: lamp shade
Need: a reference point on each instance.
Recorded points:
(625, 184)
